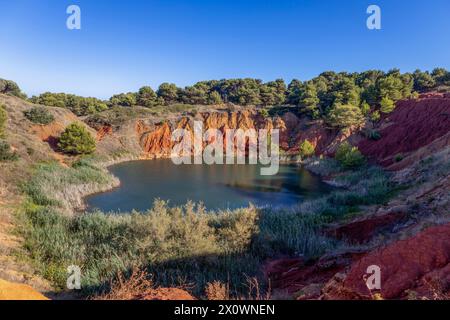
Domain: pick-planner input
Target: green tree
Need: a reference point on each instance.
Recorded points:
(346, 92)
(306, 149)
(39, 115)
(387, 105)
(423, 81)
(169, 92)
(197, 94)
(365, 109)
(309, 102)
(349, 156)
(11, 88)
(146, 97)
(3, 119)
(294, 92)
(279, 88)
(345, 116)
(81, 106)
(267, 95)
(395, 86)
(124, 99)
(375, 116)
(76, 140)
(441, 76)
(215, 98)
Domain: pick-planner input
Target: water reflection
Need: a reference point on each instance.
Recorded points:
(217, 186)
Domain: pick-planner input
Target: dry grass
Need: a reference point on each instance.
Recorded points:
(217, 290)
(131, 288)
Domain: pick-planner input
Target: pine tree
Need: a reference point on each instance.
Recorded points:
(76, 140)
(306, 149)
(344, 116)
(309, 102)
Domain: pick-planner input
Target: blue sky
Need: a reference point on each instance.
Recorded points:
(124, 45)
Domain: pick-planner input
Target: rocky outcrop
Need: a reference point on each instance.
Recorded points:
(153, 137)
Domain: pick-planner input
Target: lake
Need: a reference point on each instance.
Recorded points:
(217, 186)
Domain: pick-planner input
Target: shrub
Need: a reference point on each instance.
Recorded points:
(349, 156)
(398, 157)
(373, 135)
(11, 88)
(5, 152)
(344, 116)
(39, 115)
(3, 118)
(76, 140)
(306, 149)
(79, 105)
(387, 105)
(264, 113)
(375, 116)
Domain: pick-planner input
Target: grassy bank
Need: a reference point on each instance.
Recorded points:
(185, 245)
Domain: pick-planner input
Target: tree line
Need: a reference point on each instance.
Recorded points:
(326, 95)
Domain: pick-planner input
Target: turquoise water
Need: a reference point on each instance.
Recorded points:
(217, 186)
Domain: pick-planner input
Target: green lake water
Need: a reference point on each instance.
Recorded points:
(217, 186)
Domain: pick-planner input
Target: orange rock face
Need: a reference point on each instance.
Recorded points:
(103, 132)
(155, 139)
(14, 291)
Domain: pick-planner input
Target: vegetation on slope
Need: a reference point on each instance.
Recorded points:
(177, 245)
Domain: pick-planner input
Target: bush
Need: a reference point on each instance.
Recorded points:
(348, 156)
(76, 140)
(375, 116)
(5, 152)
(3, 118)
(306, 149)
(81, 106)
(39, 115)
(373, 135)
(398, 157)
(387, 105)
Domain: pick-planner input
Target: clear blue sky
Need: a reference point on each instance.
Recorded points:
(126, 44)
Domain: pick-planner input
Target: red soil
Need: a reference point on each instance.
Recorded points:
(420, 263)
(292, 276)
(362, 230)
(412, 125)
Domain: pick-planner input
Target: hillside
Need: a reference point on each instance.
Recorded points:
(417, 216)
